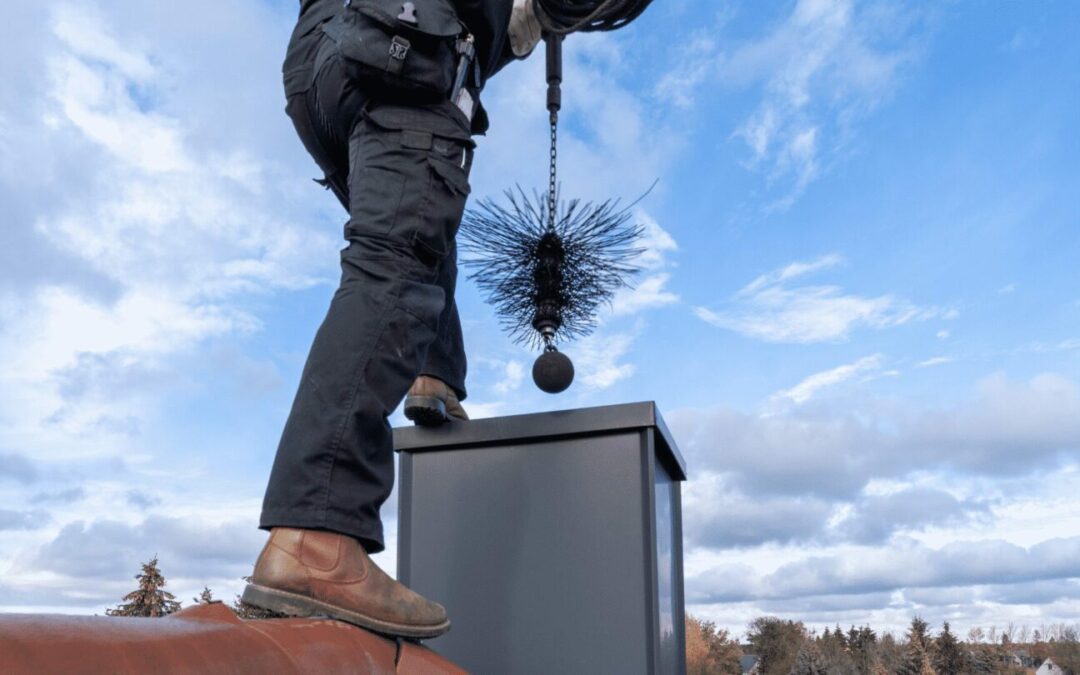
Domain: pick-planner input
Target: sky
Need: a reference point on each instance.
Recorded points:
(859, 311)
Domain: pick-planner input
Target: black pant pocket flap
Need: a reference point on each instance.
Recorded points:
(453, 176)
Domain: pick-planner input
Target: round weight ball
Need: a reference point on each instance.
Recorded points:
(553, 372)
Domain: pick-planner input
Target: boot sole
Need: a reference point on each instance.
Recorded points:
(294, 604)
(427, 411)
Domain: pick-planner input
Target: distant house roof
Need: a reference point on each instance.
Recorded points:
(1048, 667)
(747, 663)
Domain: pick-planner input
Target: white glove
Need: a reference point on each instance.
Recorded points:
(524, 27)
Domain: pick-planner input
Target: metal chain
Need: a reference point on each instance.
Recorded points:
(551, 175)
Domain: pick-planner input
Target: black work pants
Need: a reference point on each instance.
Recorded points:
(393, 316)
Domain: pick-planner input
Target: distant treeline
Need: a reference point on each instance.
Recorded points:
(782, 647)
(775, 646)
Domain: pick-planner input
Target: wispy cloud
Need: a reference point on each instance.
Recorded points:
(820, 70)
(771, 309)
(603, 358)
(513, 374)
(935, 361)
(599, 359)
(826, 65)
(651, 290)
(793, 271)
(178, 230)
(698, 61)
(808, 388)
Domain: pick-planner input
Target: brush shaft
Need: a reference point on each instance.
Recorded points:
(554, 71)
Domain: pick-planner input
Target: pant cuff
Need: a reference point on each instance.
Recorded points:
(371, 538)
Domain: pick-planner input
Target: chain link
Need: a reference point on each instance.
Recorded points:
(551, 174)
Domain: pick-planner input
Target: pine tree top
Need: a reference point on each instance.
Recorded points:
(148, 600)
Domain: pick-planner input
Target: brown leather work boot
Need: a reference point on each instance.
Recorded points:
(311, 572)
(430, 402)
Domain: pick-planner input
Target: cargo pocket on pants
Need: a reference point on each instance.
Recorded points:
(377, 194)
(444, 208)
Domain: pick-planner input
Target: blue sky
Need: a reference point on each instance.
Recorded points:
(860, 312)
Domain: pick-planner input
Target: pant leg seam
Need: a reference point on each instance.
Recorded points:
(335, 448)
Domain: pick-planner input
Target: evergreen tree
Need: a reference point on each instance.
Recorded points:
(916, 660)
(949, 657)
(808, 661)
(862, 645)
(148, 599)
(835, 655)
(889, 653)
(206, 597)
(918, 633)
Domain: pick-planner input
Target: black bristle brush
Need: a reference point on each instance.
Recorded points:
(547, 265)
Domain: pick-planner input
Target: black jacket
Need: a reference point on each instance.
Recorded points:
(488, 21)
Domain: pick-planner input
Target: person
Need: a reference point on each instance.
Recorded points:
(400, 167)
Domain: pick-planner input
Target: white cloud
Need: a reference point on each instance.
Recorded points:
(648, 293)
(896, 567)
(935, 361)
(769, 309)
(874, 518)
(98, 103)
(651, 290)
(718, 514)
(597, 359)
(793, 271)
(658, 244)
(697, 59)
(84, 557)
(175, 230)
(809, 387)
(1005, 429)
(820, 70)
(513, 374)
(85, 33)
